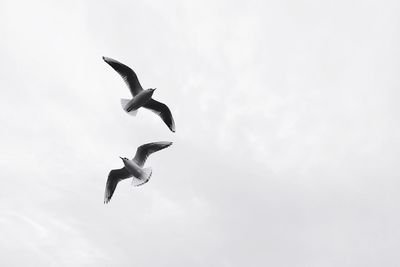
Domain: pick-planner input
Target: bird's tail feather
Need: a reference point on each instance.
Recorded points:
(144, 178)
(124, 103)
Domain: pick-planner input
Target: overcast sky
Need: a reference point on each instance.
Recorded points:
(287, 144)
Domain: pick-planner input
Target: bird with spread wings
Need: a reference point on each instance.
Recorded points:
(133, 168)
(132, 81)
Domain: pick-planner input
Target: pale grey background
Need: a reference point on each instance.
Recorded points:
(287, 143)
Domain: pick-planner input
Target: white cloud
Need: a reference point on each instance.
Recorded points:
(286, 144)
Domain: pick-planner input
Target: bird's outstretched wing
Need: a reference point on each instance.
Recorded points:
(163, 111)
(127, 74)
(145, 150)
(114, 177)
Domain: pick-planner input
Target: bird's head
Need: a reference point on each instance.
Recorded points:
(123, 159)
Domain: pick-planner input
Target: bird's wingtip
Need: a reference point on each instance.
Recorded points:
(172, 126)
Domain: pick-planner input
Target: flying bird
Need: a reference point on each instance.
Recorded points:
(143, 97)
(133, 168)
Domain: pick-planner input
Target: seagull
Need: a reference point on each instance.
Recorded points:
(132, 81)
(133, 168)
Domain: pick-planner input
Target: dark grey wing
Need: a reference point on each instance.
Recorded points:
(163, 111)
(127, 74)
(145, 150)
(114, 177)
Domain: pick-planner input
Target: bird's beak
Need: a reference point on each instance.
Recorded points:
(121, 158)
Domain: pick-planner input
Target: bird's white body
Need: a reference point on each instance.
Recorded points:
(133, 168)
(131, 106)
(142, 174)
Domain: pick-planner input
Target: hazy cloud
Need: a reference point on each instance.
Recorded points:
(286, 146)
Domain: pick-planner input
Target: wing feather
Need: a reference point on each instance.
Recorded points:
(114, 177)
(146, 150)
(163, 111)
(127, 74)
